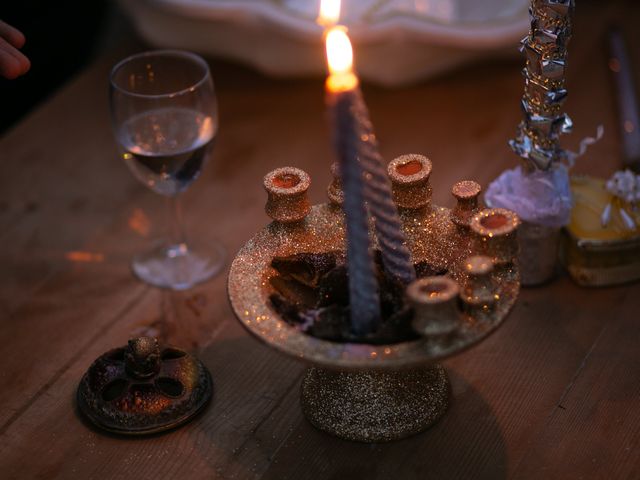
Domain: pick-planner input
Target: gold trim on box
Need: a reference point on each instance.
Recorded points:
(596, 255)
(601, 262)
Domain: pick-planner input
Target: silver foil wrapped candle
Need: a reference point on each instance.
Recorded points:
(540, 192)
(537, 139)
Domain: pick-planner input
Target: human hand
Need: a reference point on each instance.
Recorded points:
(13, 63)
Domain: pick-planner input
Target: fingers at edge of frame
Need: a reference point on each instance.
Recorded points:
(11, 65)
(12, 35)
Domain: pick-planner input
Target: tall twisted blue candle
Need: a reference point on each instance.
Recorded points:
(363, 289)
(395, 254)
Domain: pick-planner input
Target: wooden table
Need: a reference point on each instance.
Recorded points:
(555, 393)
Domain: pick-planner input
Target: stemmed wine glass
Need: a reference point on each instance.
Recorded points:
(165, 119)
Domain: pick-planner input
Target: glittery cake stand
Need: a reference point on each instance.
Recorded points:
(376, 393)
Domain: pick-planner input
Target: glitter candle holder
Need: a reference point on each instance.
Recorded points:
(434, 302)
(479, 292)
(466, 194)
(410, 181)
(496, 234)
(334, 190)
(411, 188)
(287, 189)
(372, 392)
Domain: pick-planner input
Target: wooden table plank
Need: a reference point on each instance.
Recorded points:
(61, 184)
(594, 431)
(48, 335)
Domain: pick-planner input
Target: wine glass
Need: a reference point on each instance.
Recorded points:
(165, 119)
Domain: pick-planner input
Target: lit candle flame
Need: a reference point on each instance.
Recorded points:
(329, 12)
(339, 51)
(340, 61)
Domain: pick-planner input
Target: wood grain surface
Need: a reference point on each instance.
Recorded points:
(554, 394)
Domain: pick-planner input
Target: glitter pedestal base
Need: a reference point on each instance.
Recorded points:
(374, 406)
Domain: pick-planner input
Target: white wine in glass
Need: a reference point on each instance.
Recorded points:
(165, 119)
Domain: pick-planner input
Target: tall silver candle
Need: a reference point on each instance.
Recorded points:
(341, 87)
(395, 254)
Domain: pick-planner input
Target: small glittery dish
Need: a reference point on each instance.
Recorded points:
(143, 388)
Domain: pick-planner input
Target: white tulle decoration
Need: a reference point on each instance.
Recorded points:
(542, 197)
